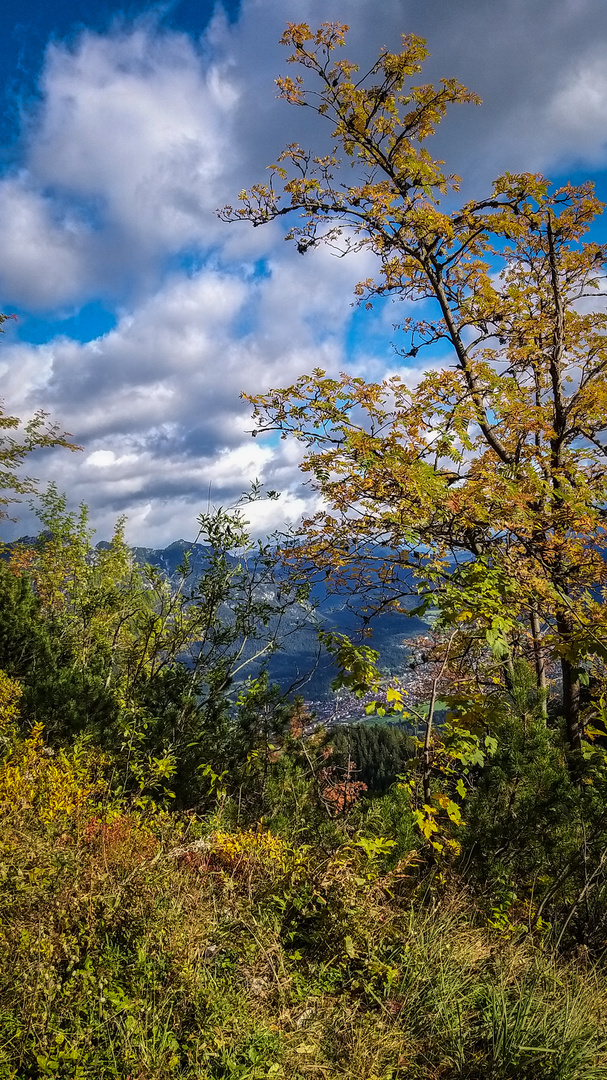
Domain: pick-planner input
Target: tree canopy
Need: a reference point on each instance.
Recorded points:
(483, 486)
(17, 441)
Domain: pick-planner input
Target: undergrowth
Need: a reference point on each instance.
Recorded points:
(135, 943)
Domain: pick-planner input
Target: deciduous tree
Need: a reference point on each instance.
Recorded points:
(17, 441)
(485, 483)
(151, 667)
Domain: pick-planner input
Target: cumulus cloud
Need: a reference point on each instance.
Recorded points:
(578, 111)
(44, 255)
(138, 135)
(156, 401)
(122, 166)
(138, 124)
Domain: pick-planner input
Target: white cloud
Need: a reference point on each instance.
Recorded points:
(139, 135)
(122, 167)
(44, 257)
(137, 123)
(142, 132)
(156, 402)
(578, 111)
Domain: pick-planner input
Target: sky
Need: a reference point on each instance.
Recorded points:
(141, 317)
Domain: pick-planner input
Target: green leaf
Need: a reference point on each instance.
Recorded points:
(349, 947)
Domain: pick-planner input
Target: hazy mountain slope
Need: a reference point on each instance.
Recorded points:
(300, 656)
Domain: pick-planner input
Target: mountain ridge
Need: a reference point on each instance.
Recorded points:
(389, 630)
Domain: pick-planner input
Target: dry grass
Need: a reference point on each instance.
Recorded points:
(130, 947)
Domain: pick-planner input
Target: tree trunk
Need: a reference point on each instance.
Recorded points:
(427, 754)
(571, 686)
(540, 664)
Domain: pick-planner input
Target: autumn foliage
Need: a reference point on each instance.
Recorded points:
(197, 878)
(479, 486)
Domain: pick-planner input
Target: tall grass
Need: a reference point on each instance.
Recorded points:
(142, 945)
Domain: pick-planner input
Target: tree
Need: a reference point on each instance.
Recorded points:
(381, 752)
(151, 667)
(485, 486)
(35, 434)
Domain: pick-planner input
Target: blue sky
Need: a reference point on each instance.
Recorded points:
(141, 316)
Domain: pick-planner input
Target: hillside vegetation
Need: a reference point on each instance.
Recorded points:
(196, 879)
(139, 942)
(212, 891)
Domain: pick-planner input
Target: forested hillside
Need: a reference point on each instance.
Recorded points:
(299, 663)
(197, 879)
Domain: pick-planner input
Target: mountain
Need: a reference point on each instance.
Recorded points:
(299, 660)
(298, 665)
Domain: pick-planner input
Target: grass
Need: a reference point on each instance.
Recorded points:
(120, 960)
(135, 944)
